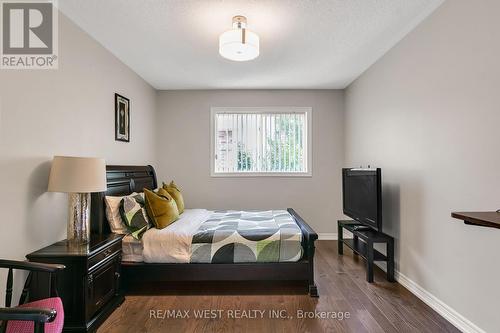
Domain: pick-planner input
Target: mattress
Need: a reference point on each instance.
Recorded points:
(203, 236)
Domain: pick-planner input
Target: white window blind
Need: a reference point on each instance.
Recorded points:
(260, 141)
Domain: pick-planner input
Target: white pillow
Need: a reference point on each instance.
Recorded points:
(113, 214)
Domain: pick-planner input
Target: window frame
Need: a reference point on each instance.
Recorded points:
(262, 110)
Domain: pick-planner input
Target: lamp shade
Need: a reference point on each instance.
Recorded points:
(77, 174)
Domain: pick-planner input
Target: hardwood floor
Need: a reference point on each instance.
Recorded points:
(377, 307)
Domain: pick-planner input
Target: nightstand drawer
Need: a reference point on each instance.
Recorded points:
(102, 285)
(103, 255)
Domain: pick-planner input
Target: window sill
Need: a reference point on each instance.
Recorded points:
(262, 174)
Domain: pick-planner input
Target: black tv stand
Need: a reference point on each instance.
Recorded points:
(364, 248)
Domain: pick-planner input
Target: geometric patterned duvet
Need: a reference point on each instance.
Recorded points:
(247, 236)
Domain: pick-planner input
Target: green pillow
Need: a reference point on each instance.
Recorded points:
(161, 207)
(134, 215)
(175, 192)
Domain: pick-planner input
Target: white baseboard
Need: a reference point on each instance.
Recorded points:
(327, 236)
(447, 312)
(332, 235)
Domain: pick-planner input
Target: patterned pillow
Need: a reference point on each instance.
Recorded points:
(134, 215)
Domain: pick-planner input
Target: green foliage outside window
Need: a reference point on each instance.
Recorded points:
(283, 149)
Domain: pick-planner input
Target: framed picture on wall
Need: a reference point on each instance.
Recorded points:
(122, 118)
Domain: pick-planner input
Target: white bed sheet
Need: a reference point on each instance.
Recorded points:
(173, 243)
(132, 249)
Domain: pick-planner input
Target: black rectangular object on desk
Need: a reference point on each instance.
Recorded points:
(90, 285)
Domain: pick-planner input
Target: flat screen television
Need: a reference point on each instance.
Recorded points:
(362, 196)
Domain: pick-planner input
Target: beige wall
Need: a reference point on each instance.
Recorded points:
(183, 128)
(428, 113)
(69, 111)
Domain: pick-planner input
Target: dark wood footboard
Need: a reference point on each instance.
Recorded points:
(309, 237)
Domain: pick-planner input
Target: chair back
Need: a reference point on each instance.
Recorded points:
(31, 267)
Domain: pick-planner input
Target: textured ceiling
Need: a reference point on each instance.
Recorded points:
(173, 44)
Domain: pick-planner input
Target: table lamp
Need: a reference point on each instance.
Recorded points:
(78, 176)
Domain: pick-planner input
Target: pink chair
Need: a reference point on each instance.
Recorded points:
(39, 316)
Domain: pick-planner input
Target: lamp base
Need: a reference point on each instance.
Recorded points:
(79, 218)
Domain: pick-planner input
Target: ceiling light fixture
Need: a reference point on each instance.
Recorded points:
(239, 44)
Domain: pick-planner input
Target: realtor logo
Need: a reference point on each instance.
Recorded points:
(29, 34)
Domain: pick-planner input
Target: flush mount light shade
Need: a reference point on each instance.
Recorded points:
(239, 44)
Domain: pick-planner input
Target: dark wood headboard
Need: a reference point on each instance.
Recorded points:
(121, 180)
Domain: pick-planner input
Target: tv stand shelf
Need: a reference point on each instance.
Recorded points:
(361, 249)
(362, 244)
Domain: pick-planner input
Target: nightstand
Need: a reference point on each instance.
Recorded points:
(90, 284)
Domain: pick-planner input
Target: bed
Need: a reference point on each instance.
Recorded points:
(124, 180)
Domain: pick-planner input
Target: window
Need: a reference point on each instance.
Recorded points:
(262, 141)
